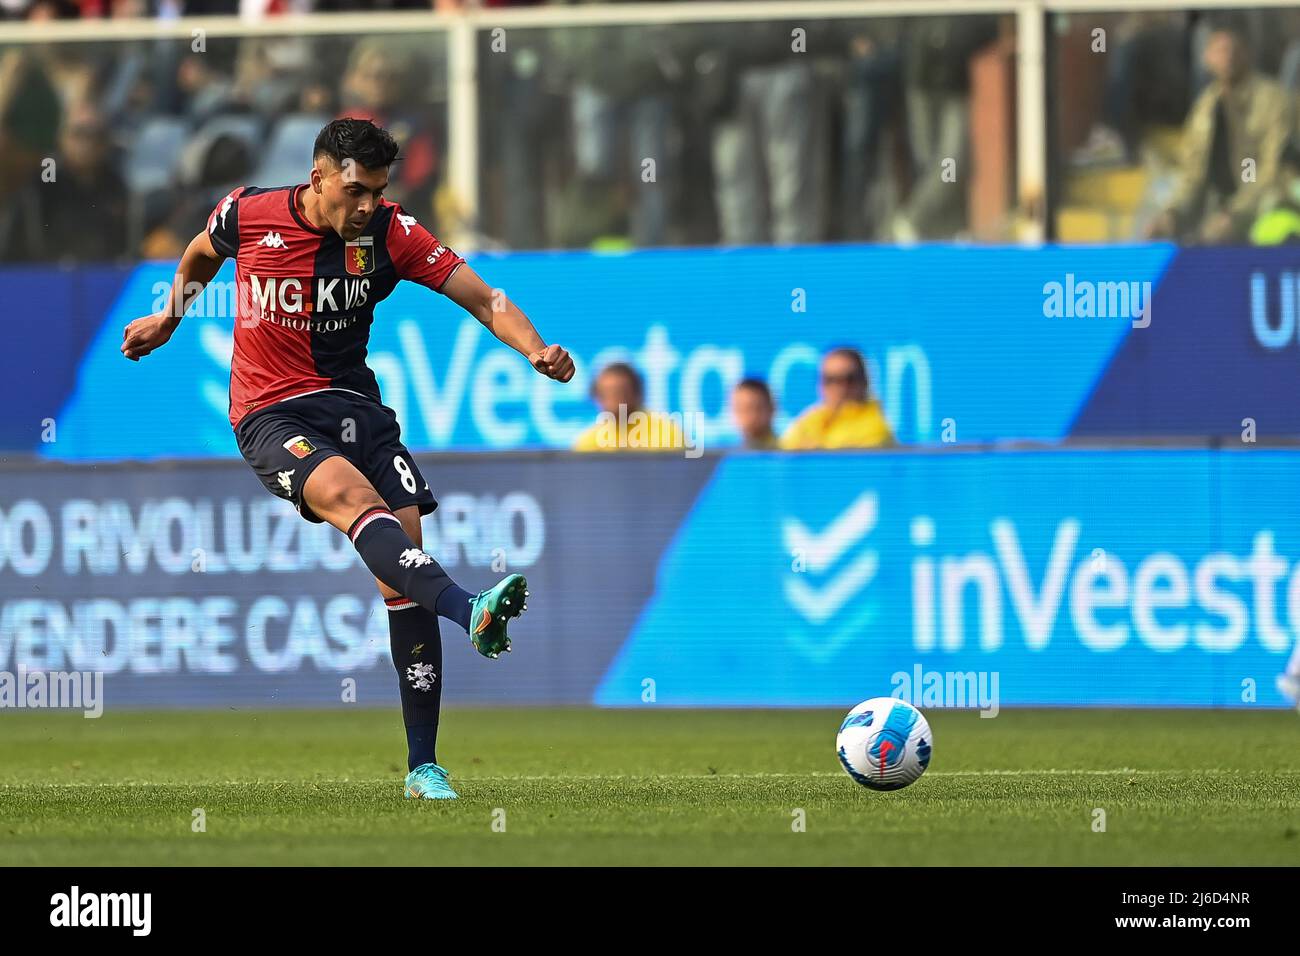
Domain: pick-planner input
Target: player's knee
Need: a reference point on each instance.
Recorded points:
(348, 501)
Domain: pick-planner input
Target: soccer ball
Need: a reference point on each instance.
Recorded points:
(884, 743)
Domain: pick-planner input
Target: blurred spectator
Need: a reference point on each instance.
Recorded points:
(936, 80)
(868, 99)
(621, 109)
(847, 416)
(1143, 82)
(29, 116)
(381, 85)
(270, 73)
(1240, 116)
(624, 424)
(75, 211)
(202, 88)
(210, 167)
(752, 409)
(769, 132)
(36, 80)
(515, 110)
(1147, 79)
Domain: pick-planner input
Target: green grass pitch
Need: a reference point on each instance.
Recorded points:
(646, 787)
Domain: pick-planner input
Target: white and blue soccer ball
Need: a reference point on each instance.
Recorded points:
(884, 743)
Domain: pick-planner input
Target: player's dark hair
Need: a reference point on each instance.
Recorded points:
(755, 384)
(358, 140)
(853, 355)
(627, 371)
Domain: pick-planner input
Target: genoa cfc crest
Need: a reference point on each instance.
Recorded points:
(299, 447)
(359, 256)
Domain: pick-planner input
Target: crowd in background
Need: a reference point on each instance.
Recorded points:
(749, 140)
(120, 150)
(1229, 83)
(619, 136)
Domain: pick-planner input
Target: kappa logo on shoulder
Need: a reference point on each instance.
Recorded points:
(225, 208)
(406, 222)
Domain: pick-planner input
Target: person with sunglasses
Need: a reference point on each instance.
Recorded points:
(847, 416)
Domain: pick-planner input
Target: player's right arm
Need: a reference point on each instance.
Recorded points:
(200, 262)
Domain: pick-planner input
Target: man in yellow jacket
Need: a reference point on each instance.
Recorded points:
(846, 417)
(623, 424)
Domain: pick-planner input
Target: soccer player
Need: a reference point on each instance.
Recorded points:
(311, 263)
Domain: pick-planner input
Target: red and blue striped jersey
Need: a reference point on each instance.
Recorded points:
(306, 297)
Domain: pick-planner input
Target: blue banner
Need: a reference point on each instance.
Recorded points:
(1069, 578)
(191, 586)
(965, 344)
(1134, 578)
(1223, 347)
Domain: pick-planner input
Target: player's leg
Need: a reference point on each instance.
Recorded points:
(393, 472)
(416, 646)
(338, 493)
(454, 603)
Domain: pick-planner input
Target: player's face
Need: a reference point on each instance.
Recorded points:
(841, 381)
(752, 413)
(349, 196)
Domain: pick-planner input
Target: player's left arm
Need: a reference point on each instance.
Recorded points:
(507, 322)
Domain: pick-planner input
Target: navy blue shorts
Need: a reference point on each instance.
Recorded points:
(285, 442)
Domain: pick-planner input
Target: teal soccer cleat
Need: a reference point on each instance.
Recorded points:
(491, 610)
(429, 782)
